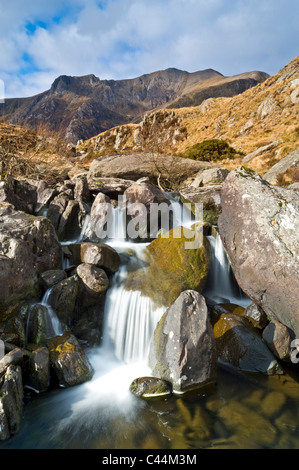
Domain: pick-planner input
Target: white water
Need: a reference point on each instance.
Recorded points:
(221, 284)
(54, 320)
(130, 321)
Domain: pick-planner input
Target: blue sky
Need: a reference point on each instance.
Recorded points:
(117, 39)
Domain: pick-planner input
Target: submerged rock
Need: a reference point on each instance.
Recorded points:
(147, 387)
(183, 350)
(259, 227)
(69, 361)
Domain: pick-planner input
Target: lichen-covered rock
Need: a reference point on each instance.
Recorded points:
(69, 361)
(259, 227)
(11, 402)
(183, 350)
(173, 267)
(240, 345)
(148, 387)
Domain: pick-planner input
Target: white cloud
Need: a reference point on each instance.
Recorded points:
(127, 38)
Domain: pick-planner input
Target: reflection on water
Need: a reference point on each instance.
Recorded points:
(243, 411)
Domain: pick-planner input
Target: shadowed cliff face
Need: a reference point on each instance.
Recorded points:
(81, 107)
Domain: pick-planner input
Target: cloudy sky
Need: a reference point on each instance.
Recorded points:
(117, 39)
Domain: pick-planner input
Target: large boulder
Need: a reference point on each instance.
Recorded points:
(259, 227)
(100, 255)
(183, 350)
(139, 165)
(93, 284)
(172, 267)
(28, 246)
(38, 369)
(69, 361)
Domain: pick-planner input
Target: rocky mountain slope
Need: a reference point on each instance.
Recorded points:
(261, 124)
(81, 107)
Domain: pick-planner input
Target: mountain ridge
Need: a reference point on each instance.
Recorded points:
(81, 107)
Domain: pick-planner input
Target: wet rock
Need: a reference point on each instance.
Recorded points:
(147, 387)
(15, 326)
(69, 361)
(28, 246)
(259, 228)
(62, 299)
(14, 357)
(240, 345)
(278, 339)
(100, 255)
(183, 349)
(246, 422)
(256, 315)
(93, 284)
(39, 326)
(52, 277)
(38, 369)
(11, 402)
(272, 404)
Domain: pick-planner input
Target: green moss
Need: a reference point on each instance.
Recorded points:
(172, 268)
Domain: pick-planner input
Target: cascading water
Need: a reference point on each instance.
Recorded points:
(55, 322)
(130, 321)
(221, 284)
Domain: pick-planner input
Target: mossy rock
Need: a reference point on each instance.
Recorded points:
(149, 387)
(172, 268)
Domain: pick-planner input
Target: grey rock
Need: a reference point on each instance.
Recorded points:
(52, 277)
(183, 350)
(261, 150)
(259, 227)
(62, 299)
(100, 215)
(290, 161)
(278, 339)
(38, 372)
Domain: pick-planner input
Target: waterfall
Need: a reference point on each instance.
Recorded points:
(221, 284)
(54, 320)
(130, 321)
